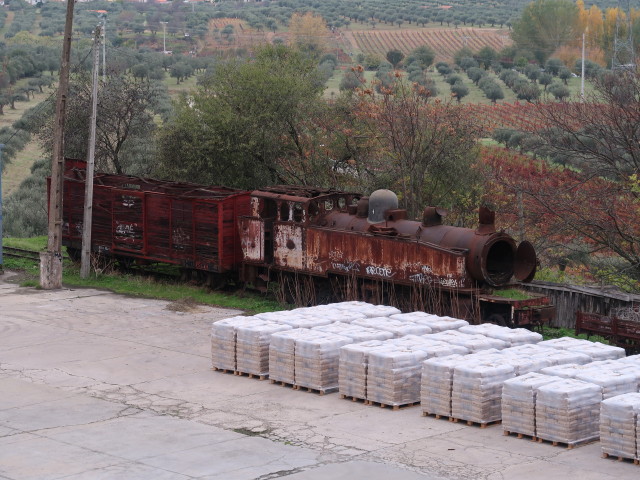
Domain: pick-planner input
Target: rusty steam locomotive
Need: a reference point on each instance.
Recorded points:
(316, 244)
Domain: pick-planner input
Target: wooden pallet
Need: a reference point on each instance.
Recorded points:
(223, 370)
(622, 459)
(471, 423)
(566, 445)
(353, 399)
(251, 375)
(283, 384)
(438, 416)
(520, 435)
(392, 407)
(318, 391)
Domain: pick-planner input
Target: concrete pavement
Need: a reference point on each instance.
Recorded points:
(100, 386)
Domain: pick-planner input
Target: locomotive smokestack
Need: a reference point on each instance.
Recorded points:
(379, 202)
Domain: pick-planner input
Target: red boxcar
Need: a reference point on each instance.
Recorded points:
(156, 221)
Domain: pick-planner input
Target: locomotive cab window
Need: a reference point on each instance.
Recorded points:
(285, 212)
(298, 212)
(268, 208)
(342, 203)
(328, 205)
(313, 211)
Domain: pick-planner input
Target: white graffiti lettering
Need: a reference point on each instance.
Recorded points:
(125, 230)
(346, 267)
(379, 271)
(335, 255)
(421, 278)
(427, 269)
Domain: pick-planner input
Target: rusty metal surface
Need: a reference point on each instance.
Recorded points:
(151, 220)
(288, 245)
(382, 257)
(252, 238)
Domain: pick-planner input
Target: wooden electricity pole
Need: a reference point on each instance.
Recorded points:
(85, 264)
(51, 260)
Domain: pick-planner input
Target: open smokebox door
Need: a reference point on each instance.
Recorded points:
(525, 263)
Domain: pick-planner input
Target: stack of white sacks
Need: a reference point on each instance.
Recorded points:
(519, 402)
(619, 426)
(477, 389)
(394, 368)
(561, 403)
(568, 411)
(223, 341)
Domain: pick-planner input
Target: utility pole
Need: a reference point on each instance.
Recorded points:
(164, 37)
(104, 49)
(51, 260)
(1, 259)
(85, 262)
(582, 72)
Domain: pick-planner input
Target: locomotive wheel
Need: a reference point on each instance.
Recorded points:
(501, 320)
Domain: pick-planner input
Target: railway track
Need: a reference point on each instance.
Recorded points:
(20, 253)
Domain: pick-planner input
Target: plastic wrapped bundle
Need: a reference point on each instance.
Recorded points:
(316, 360)
(276, 316)
(252, 346)
(613, 382)
(600, 351)
(306, 321)
(595, 350)
(563, 357)
(399, 328)
(474, 343)
(353, 368)
(524, 362)
(619, 425)
(567, 370)
(631, 359)
(436, 384)
(441, 324)
(568, 411)
(374, 311)
(477, 390)
(223, 341)
(394, 375)
(519, 402)
(512, 336)
(282, 354)
(413, 316)
(355, 332)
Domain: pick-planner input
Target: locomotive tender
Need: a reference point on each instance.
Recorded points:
(318, 244)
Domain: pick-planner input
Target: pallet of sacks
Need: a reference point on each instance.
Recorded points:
(395, 370)
(519, 403)
(619, 427)
(568, 412)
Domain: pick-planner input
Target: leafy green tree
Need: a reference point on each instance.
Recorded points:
(546, 25)
(486, 55)
(395, 57)
(459, 90)
(559, 91)
(248, 125)
(493, 92)
(564, 74)
(545, 80)
(553, 66)
(424, 54)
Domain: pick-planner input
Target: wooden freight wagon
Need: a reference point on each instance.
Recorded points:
(146, 220)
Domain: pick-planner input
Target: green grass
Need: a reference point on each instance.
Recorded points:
(512, 293)
(135, 285)
(553, 332)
